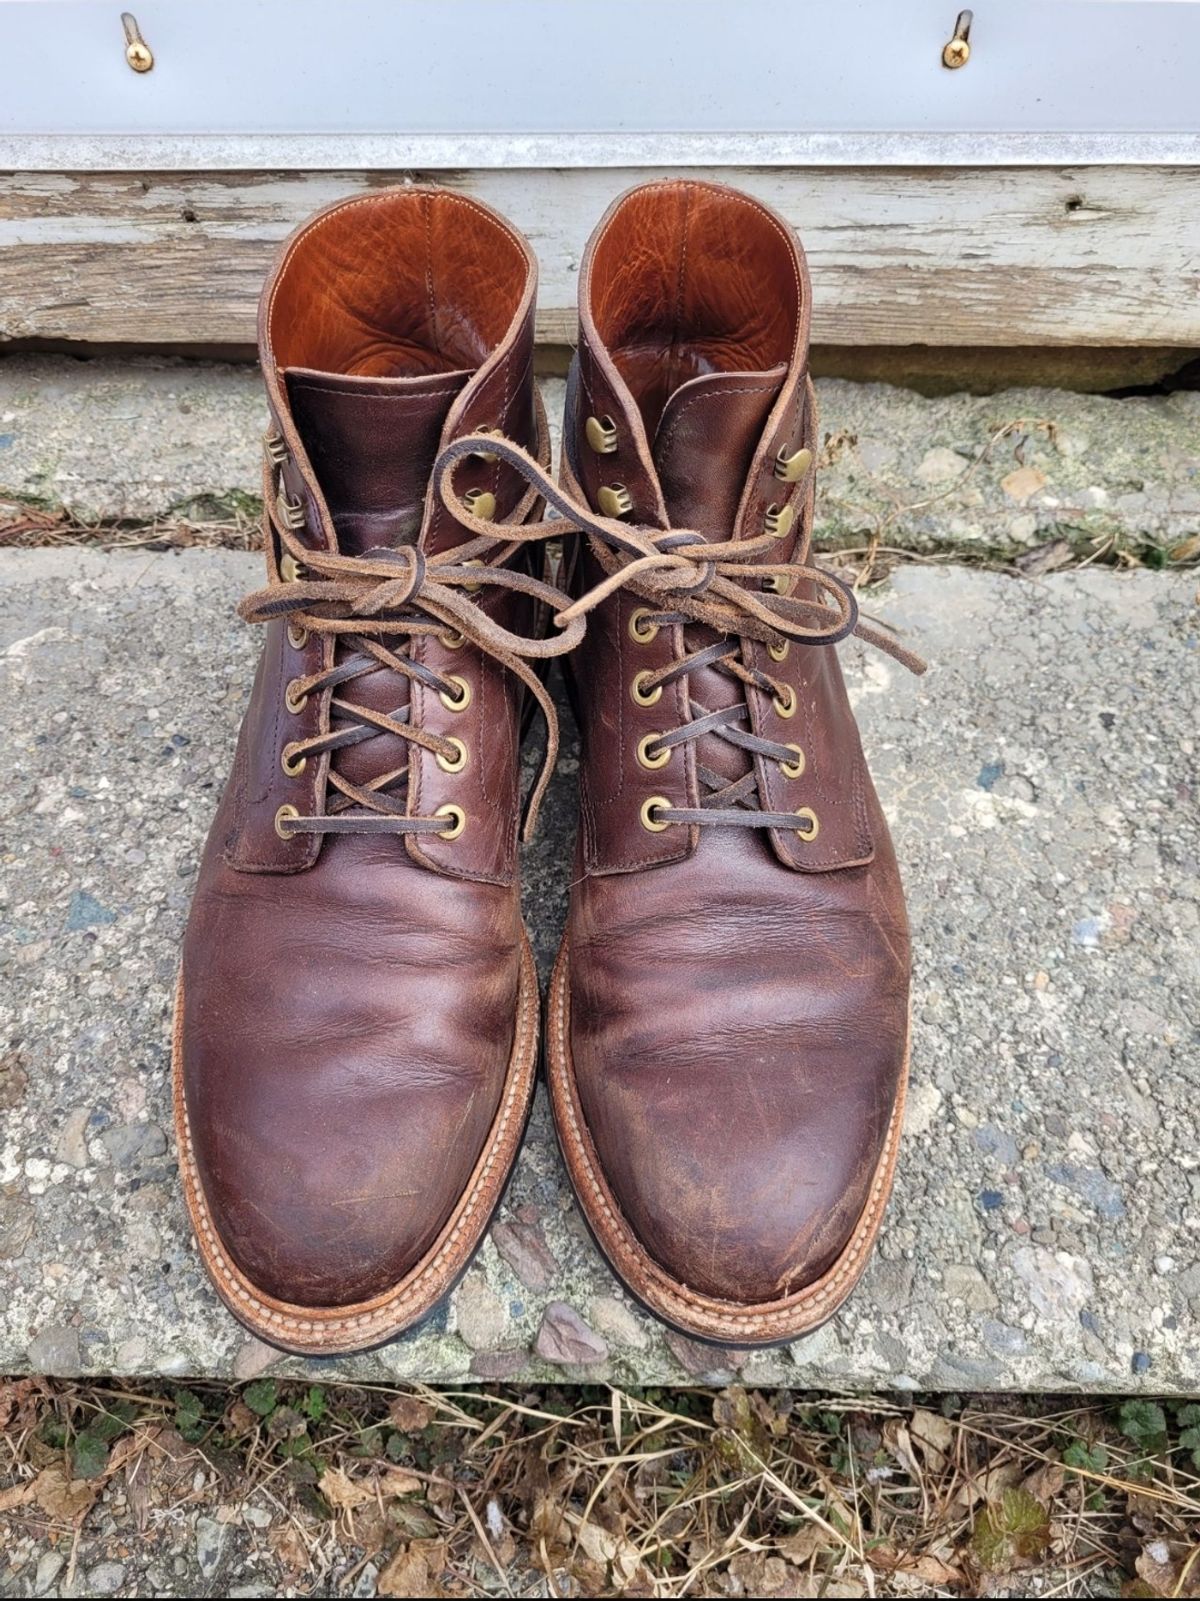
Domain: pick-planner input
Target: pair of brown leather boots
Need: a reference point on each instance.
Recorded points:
(357, 1026)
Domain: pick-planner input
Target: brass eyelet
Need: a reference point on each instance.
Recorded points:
(475, 561)
(458, 823)
(785, 704)
(283, 815)
(777, 584)
(642, 696)
(488, 456)
(614, 500)
(778, 521)
(640, 630)
(814, 826)
(796, 768)
(649, 809)
(658, 759)
(292, 764)
(451, 638)
(601, 435)
(463, 699)
(480, 503)
(291, 570)
(293, 698)
(790, 469)
(452, 764)
(779, 653)
(297, 636)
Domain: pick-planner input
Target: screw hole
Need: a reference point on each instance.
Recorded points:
(188, 214)
(1075, 203)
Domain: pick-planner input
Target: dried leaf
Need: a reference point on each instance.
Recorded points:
(1045, 1483)
(414, 1570)
(15, 1495)
(1047, 558)
(933, 1435)
(614, 1551)
(409, 1415)
(1187, 550)
(1157, 1567)
(60, 1497)
(394, 1482)
(342, 1492)
(804, 1544)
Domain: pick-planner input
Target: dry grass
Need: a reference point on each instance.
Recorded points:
(570, 1491)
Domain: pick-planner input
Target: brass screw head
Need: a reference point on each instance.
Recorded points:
(956, 54)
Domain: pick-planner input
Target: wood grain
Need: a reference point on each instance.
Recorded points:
(983, 257)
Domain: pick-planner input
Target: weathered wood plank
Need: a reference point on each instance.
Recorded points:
(995, 257)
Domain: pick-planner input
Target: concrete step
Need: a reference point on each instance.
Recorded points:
(992, 476)
(1042, 784)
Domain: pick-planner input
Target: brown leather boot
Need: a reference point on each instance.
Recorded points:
(728, 1030)
(357, 1019)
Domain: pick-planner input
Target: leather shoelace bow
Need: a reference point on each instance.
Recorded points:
(369, 603)
(686, 578)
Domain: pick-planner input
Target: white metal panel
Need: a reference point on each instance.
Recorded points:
(590, 82)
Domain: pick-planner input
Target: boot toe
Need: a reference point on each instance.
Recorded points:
(748, 1204)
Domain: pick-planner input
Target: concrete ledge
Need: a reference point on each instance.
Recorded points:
(1042, 784)
(147, 439)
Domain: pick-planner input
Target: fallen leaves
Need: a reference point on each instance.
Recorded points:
(415, 1570)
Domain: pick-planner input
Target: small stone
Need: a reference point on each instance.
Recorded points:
(1090, 1184)
(14, 1081)
(499, 1366)
(997, 1143)
(524, 1248)
(481, 1316)
(963, 1282)
(1164, 1265)
(940, 465)
(253, 1358)
(617, 1322)
(1002, 1337)
(71, 1147)
(989, 773)
(131, 1354)
(55, 1351)
(1139, 1362)
(715, 1364)
(48, 1569)
(1023, 483)
(924, 1103)
(106, 1578)
(131, 1143)
(1059, 1285)
(85, 911)
(991, 1200)
(564, 1338)
(210, 1539)
(16, 1224)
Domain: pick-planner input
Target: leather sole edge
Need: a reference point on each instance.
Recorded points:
(689, 1312)
(344, 1330)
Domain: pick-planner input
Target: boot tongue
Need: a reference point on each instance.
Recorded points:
(372, 444)
(705, 443)
(706, 439)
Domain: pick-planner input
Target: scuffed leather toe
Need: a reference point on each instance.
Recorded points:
(761, 1222)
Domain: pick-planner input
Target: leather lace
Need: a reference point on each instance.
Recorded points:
(375, 605)
(688, 579)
